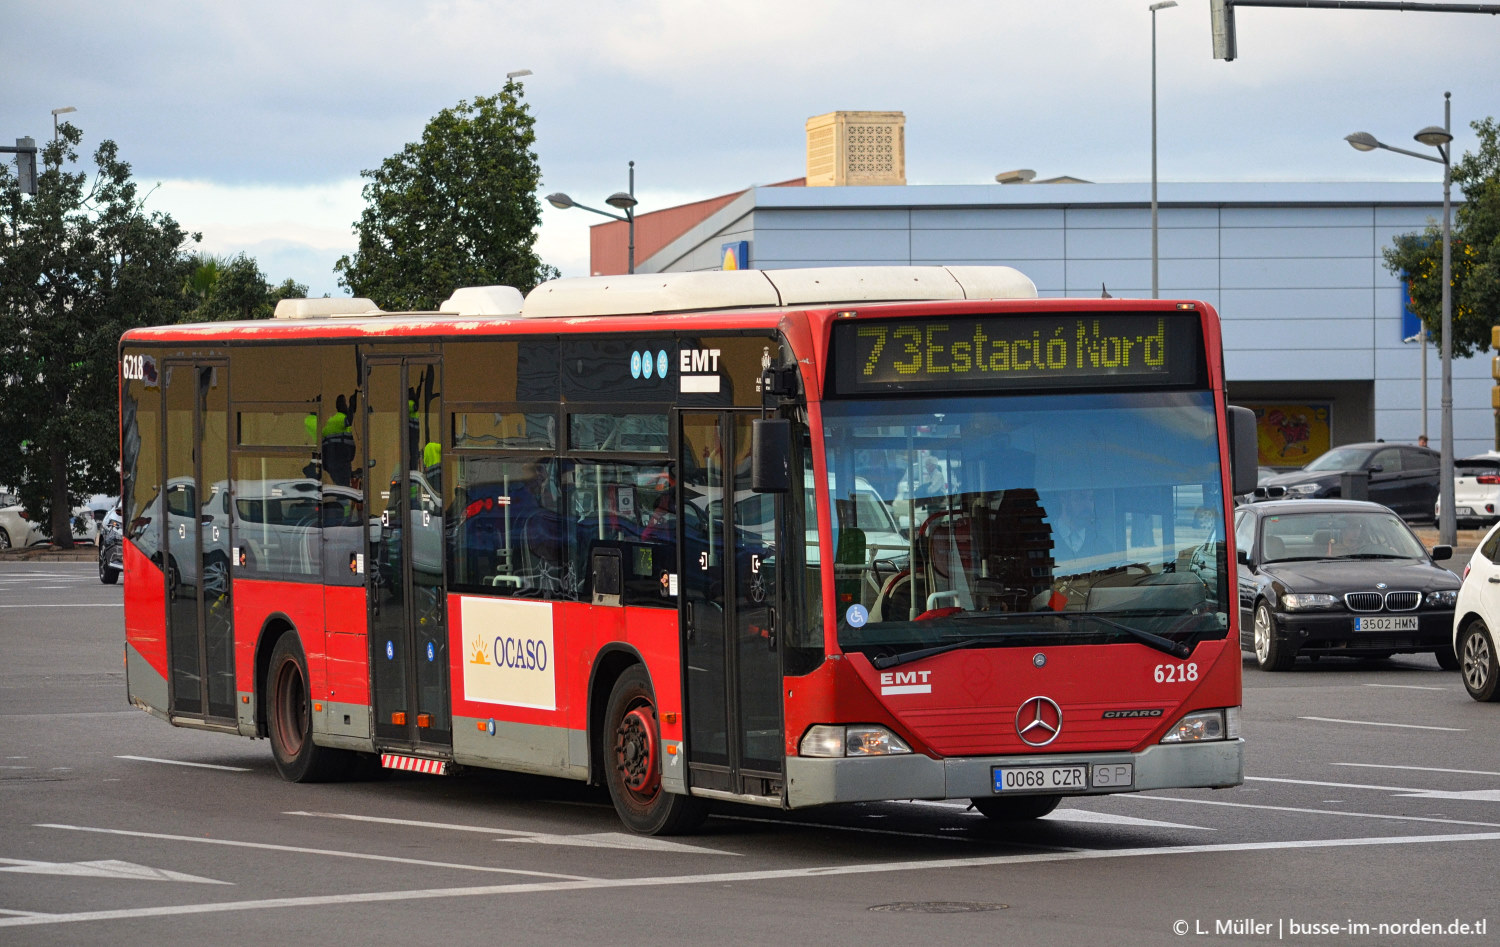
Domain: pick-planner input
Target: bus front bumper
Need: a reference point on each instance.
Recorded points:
(815, 782)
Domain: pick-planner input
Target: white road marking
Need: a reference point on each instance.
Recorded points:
(1410, 687)
(22, 913)
(266, 846)
(619, 840)
(1376, 723)
(1357, 815)
(152, 759)
(1422, 769)
(109, 868)
(660, 881)
(1470, 795)
(69, 605)
(596, 840)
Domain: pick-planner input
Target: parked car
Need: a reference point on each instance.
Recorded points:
(1476, 490)
(1263, 476)
(1402, 477)
(1477, 618)
(1339, 577)
(111, 547)
(17, 529)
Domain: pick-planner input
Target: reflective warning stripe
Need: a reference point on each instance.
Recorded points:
(414, 764)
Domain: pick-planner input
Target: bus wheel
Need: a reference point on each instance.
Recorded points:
(631, 744)
(289, 720)
(1270, 653)
(1015, 808)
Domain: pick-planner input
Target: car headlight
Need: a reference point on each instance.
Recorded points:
(1302, 489)
(1199, 727)
(829, 741)
(1302, 601)
(1446, 598)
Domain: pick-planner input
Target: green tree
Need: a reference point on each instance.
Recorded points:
(457, 208)
(234, 288)
(1417, 258)
(80, 263)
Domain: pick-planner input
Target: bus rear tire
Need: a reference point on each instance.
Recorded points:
(631, 752)
(289, 720)
(1015, 808)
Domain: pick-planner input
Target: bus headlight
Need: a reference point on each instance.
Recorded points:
(828, 741)
(1197, 727)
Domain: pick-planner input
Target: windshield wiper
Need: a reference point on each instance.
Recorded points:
(892, 660)
(1176, 649)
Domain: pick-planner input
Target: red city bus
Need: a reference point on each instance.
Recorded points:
(786, 537)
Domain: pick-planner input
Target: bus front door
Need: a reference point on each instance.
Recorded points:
(732, 668)
(404, 556)
(194, 547)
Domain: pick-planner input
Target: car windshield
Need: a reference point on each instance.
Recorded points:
(1341, 458)
(985, 517)
(1356, 534)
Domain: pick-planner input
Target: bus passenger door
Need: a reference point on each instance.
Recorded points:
(731, 659)
(404, 555)
(194, 556)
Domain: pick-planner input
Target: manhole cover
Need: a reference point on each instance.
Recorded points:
(938, 907)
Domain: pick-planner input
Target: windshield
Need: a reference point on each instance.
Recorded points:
(1354, 535)
(1343, 458)
(1009, 510)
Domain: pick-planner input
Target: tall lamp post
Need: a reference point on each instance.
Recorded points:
(621, 200)
(56, 112)
(1155, 257)
(1439, 138)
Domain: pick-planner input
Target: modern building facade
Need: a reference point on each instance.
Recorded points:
(1314, 324)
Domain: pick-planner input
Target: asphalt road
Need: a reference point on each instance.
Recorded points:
(1372, 796)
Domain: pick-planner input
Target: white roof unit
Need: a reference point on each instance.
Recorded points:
(742, 289)
(322, 308)
(484, 301)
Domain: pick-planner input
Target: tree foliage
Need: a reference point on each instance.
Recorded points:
(457, 208)
(1475, 254)
(233, 288)
(80, 263)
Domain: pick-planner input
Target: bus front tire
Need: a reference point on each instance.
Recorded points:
(1015, 808)
(289, 720)
(631, 752)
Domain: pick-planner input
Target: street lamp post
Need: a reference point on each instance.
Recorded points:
(621, 200)
(1155, 257)
(1441, 139)
(56, 112)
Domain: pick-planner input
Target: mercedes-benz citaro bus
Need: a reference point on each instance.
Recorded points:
(784, 537)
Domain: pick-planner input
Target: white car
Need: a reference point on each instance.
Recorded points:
(1476, 619)
(17, 529)
(1476, 489)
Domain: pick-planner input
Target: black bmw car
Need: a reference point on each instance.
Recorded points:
(1339, 577)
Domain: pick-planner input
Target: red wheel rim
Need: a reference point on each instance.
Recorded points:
(635, 751)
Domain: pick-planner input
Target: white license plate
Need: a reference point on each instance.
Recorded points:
(1386, 623)
(1463, 510)
(1039, 778)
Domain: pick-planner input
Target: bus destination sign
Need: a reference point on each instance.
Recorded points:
(1001, 352)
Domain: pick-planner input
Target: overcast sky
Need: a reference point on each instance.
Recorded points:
(256, 119)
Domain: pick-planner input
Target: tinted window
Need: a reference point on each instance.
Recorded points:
(1388, 460)
(1491, 548)
(1419, 460)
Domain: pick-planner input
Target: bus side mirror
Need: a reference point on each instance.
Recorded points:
(1243, 450)
(770, 455)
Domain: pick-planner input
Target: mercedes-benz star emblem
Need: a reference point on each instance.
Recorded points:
(1039, 721)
